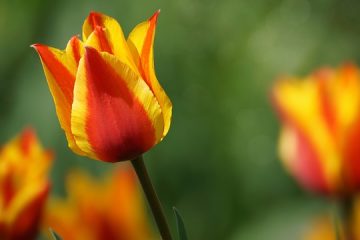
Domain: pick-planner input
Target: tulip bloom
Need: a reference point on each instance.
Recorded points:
(107, 97)
(323, 228)
(321, 129)
(24, 186)
(111, 209)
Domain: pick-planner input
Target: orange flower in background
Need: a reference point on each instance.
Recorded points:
(111, 210)
(323, 228)
(24, 167)
(321, 129)
(107, 97)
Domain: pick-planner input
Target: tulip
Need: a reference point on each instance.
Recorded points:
(321, 129)
(111, 209)
(325, 228)
(107, 97)
(24, 186)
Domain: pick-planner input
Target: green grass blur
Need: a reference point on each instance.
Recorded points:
(216, 60)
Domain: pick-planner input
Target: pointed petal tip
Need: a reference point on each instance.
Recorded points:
(39, 48)
(36, 46)
(27, 139)
(92, 13)
(89, 49)
(95, 19)
(155, 16)
(28, 131)
(90, 52)
(75, 37)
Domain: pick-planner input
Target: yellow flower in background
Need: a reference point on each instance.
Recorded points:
(24, 186)
(323, 228)
(112, 209)
(107, 97)
(319, 140)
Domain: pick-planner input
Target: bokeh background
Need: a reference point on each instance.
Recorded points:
(217, 60)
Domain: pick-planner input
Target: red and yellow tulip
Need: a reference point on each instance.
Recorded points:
(24, 186)
(321, 129)
(111, 209)
(107, 97)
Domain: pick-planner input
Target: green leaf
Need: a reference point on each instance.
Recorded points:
(54, 235)
(180, 225)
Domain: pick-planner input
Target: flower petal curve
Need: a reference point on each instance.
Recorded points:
(141, 41)
(300, 106)
(115, 115)
(104, 33)
(60, 68)
(301, 159)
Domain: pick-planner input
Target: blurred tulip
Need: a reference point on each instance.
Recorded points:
(24, 186)
(321, 129)
(111, 210)
(107, 97)
(323, 228)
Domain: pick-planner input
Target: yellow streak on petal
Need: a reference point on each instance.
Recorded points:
(72, 55)
(141, 91)
(26, 196)
(63, 109)
(135, 84)
(79, 113)
(123, 55)
(116, 200)
(346, 97)
(25, 163)
(287, 147)
(300, 102)
(136, 41)
(113, 34)
(62, 102)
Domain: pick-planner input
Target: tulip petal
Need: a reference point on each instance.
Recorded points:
(339, 93)
(299, 105)
(74, 51)
(339, 97)
(104, 33)
(141, 41)
(352, 158)
(98, 39)
(109, 209)
(347, 102)
(302, 160)
(115, 115)
(60, 69)
(346, 96)
(25, 214)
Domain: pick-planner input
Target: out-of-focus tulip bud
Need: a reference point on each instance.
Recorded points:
(96, 210)
(319, 140)
(24, 186)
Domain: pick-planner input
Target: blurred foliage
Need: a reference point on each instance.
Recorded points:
(216, 60)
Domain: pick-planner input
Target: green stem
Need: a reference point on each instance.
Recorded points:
(346, 214)
(153, 200)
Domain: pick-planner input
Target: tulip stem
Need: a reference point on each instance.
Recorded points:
(153, 200)
(346, 211)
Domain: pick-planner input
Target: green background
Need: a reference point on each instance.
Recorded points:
(217, 61)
